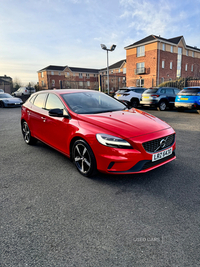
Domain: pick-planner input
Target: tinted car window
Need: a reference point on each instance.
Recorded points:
(163, 91)
(53, 102)
(39, 100)
(176, 91)
(189, 91)
(150, 91)
(170, 91)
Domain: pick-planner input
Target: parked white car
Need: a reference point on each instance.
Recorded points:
(1, 91)
(130, 95)
(24, 91)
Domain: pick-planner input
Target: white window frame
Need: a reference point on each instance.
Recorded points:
(163, 64)
(52, 73)
(163, 47)
(171, 65)
(186, 67)
(172, 49)
(192, 53)
(187, 52)
(141, 51)
(80, 75)
(192, 67)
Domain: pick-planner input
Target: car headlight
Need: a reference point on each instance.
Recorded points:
(112, 141)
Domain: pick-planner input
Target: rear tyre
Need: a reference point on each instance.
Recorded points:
(29, 140)
(162, 106)
(134, 102)
(1, 104)
(83, 158)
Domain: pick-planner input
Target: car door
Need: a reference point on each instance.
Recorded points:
(170, 95)
(37, 117)
(57, 128)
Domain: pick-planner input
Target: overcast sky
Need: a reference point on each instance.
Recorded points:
(38, 33)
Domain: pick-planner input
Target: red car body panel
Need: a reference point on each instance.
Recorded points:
(134, 126)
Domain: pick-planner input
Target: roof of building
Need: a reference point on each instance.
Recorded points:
(75, 69)
(116, 65)
(153, 38)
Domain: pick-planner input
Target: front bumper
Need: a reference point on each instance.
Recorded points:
(128, 161)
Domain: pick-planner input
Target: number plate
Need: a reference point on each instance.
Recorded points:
(183, 98)
(145, 97)
(162, 154)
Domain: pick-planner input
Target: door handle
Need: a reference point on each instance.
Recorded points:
(43, 118)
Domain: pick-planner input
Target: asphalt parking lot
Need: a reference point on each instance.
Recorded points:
(53, 216)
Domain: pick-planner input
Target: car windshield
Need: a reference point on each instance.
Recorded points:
(5, 96)
(189, 91)
(92, 102)
(150, 91)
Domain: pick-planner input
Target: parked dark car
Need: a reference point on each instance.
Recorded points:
(188, 98)
(162, 97)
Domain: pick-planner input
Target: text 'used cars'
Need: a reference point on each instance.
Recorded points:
(97, 132)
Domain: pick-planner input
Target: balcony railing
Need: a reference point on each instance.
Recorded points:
(140, 70)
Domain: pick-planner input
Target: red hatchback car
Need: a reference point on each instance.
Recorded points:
(97, 132)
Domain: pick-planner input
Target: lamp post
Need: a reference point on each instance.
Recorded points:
(112, 48)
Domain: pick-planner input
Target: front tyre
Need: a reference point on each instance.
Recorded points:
(29, 140)
(83, 158)
(1, 104)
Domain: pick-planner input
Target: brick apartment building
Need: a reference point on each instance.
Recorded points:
(67, 77)
(73, 77)
(154, 60)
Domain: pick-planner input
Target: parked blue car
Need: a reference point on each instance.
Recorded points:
(188, 98)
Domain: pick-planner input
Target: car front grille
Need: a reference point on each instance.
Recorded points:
(159, 144)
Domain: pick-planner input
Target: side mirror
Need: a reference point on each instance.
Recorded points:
(57, 112)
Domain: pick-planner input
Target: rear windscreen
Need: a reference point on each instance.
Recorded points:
(189, 91)
(150, 91)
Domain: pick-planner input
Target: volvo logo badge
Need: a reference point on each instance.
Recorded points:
(162, 143)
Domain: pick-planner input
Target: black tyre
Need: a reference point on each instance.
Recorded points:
(1, 104)
(134, 102)
(29, 140)
(162, 106)
(83, 158)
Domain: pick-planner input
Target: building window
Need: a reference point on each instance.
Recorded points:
(172, 49)
(42, 83)
(163, 64)
(88, 83)
(81, 84)
(163, 47)
(52, 73)
(67, 74)
(124, 70)
(192, 67)
(186, 67)
(94, 75)
(140, 68)
(119, 70)
(140, 82)
(42, 74)
(140, 51)
(193, 54)
(187, 53)
(87, 75)
(170, 65)
(80, 75)
(59, 73)
(53, 82)
(162, 80)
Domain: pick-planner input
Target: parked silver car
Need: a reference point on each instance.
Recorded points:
(6, 101)
(161, 97)
(24, 91)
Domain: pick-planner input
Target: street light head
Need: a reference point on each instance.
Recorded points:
(103, 47)
(112, 48)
